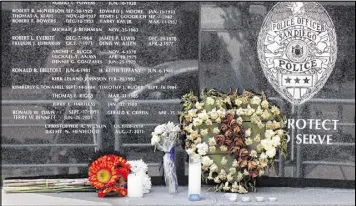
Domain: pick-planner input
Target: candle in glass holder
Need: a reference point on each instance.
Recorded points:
(134, 185)
(194, 180)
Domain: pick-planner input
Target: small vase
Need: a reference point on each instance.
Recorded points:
(194, 180)
(170, 175)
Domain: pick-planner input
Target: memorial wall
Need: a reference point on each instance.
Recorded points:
(82, 76)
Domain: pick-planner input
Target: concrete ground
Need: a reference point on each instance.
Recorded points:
(160, 196)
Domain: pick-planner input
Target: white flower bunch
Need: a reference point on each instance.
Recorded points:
(137, 167)
(170, 133)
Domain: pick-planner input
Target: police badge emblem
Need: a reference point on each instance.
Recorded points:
(297, 49)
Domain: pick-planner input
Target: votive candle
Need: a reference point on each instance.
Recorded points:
(134, 185)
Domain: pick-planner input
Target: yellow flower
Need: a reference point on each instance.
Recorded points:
(226, 186)
(223, 148)
(238, 102)
(223, 161)
(210, 101)
(265, 114)
(275, 111)
(204, 132)
(253, 153)
(212, 148)
(257, 138)
(264, 104)
(192, 112)
(216, 130)
(249, 141)
(199, 105)
(256, 100)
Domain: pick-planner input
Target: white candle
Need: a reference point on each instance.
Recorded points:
(194, 184)
(134, 185)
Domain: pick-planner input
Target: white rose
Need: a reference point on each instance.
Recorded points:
(259, 111)
(253, 153)
(271, 153)
(264, 104)
(218, 120)
(230, 178)
(241, 190)
(249, 111)
(234, 187)
(239, 120)
(275, 110)
(197, 122)
(203, 115)
(216, 130)
(221, 112)
(202, 148)
(189, 128)
(259, 147)
(263, 156)
(207, 161)
(223, 148)
(260, 125)
(223, 161)
(276, 141)
(256, 100)
(234, 163)
(204, 132)
(248, 132)
(269, 134)
(212, 148)
(257, 138)
(208, 122)
(249, 141)
(238, 102)
(210, 101)
(265, 114)
(240, 111)
(217, 180)
(213, 114)
(240, 176)
(212, 141)
(222, 174)
(232, 170)
(192, 112)
(267, 144)
(226, 186)
(197, 141)
(199, 105)
(213, 168)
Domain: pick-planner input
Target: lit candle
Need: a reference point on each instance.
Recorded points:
(194, 185)
(134, 185)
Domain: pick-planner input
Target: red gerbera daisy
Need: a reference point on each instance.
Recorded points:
(113, 191)
(107, 170)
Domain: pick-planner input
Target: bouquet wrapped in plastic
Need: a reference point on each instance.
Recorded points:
(165, 138)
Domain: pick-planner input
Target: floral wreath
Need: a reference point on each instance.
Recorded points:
(108, 174)
(246, 130)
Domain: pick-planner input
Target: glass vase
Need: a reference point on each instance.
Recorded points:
(194, 180)
(170, 175)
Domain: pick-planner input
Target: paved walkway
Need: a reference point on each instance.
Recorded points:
(159, 196)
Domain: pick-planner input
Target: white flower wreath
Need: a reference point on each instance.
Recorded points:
(246, 130)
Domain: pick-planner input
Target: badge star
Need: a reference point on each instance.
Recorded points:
(297, 80)
(288, 80)
(306, 80)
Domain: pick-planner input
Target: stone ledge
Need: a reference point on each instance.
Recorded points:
(285, 197)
